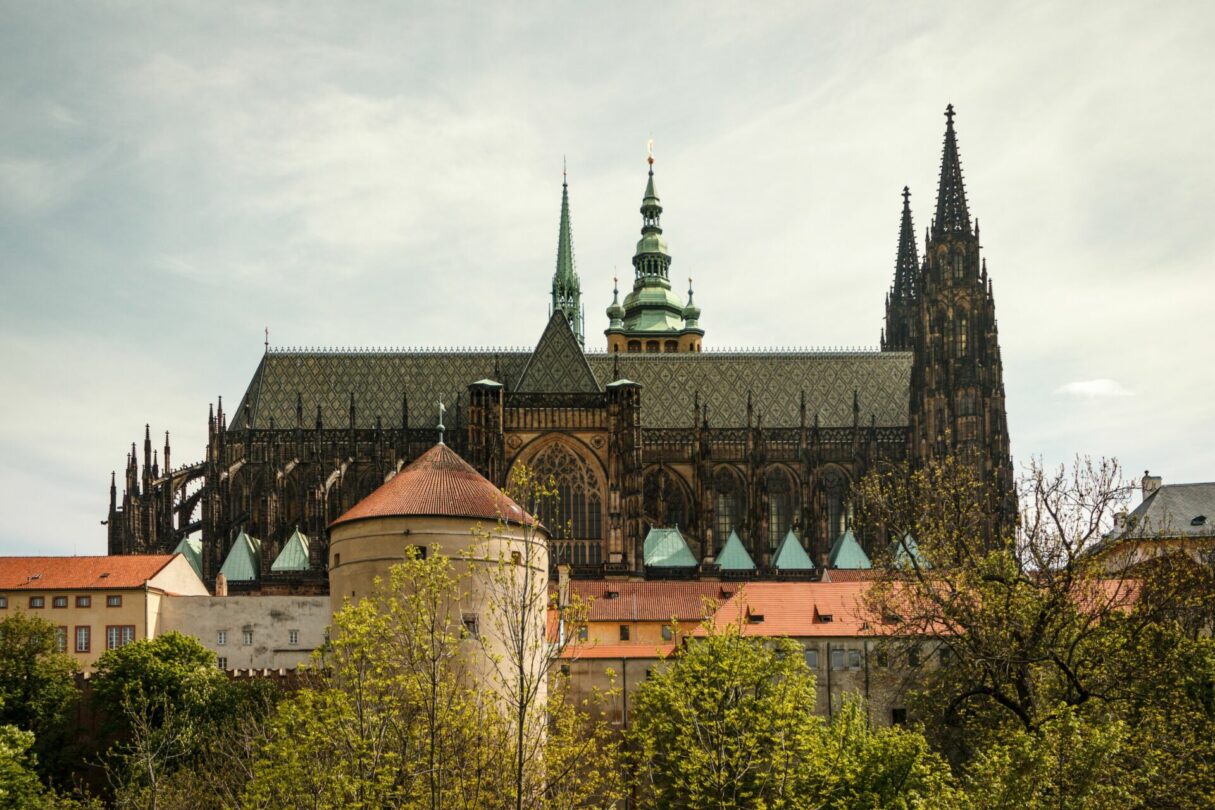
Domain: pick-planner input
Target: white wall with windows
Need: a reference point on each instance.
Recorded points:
(251, 632)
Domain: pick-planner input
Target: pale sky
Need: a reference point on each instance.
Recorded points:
(176, 177)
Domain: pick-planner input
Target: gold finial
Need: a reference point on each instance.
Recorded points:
(649, 150)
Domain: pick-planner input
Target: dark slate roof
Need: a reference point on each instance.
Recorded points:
(558, 366)
(1174, 510)
(670, 383)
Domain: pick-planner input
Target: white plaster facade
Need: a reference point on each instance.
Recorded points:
(251, 632)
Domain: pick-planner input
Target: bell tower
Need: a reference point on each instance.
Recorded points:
(653, 319)
(957, 380)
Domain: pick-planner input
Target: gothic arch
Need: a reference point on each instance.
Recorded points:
(836, 486)
(574, 517)
(729, 504)
(784, 502)
(666, 500)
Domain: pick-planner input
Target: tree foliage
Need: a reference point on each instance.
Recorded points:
(1060, 651)
(37, 689)
(730, 723)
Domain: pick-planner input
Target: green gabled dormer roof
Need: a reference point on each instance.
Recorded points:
(847, 553)
(294, 556)
(666, 548)
(790, 556)
(191, 547)
(905, 551)
(734, 556)
(244, 560)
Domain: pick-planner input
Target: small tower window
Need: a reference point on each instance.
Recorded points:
(635, 346)
(651, 347)
(671, 346)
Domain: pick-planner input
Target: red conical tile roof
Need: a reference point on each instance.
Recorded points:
(437, 483)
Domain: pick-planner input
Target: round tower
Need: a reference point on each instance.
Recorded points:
(441, 505)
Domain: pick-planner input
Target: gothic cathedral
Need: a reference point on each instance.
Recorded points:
(752, 450)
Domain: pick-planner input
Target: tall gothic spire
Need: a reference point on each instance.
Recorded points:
(952, 214)
(567, 290)
(907, 266)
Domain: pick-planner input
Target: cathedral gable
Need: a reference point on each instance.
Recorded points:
(558, 366)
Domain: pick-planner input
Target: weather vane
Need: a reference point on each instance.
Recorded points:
(649, 151)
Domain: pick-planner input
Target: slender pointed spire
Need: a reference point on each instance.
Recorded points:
(567, 290)
(952, 214)
(907, 265)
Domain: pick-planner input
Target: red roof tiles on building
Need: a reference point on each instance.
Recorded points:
(437, 483)
(797, 609)
(74, 573)
(655, 601)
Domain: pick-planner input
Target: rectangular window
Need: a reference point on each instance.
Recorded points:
(943, 655)
(61, 639)
(83, 639)
(247, 637)
(37, 602)
(3, 602)
(222, 638)
(812, 659)
(624, 632)
(898, 717)
(84, 601)
(223, 662)
(583, 633)
(472, 627)
(293, 637)
(113, 600)
(854, 659)
(119, 635)
(667, 633)
(913, 656)
(837, 658)
(59, 602)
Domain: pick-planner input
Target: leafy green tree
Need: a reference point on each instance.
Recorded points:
(38, 690)
(726, 725)
(388, 720)
(19, 784)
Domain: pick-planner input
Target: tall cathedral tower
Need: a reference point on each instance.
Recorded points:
(567, 289)
(957, 377)
(653, 319)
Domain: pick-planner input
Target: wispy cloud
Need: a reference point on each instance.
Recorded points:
(1092, 389)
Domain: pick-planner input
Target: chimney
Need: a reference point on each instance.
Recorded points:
(1151, 483)
(221, 585)
(1120, 522)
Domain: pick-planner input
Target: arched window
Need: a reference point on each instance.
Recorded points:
(783, 504)
(651, 346)
(729, 504)
(664, 502)
(963, 333)
(574, 515)
(635, 346)
(835, 487)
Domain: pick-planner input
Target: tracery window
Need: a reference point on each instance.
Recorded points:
(835, 487)
(783, 505)
(963, 334)
(574, 515)
(729, 504)
(664, 501)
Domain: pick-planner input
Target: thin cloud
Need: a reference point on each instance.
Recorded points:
(1093, 389)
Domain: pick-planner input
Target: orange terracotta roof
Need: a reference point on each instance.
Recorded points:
(440, 483)
(655, 600)
(797, 609)
(73, 573)
(850, 574)
(623, 650)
